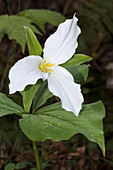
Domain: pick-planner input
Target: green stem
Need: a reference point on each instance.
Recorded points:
(9, 8)
(36, 155)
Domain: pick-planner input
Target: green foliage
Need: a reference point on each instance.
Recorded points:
(41, 96)
(77, 60)
(7, 106)
(13, 25)
(33, 44)
(96, 17)
(50, 122)
(80, 73)
(53, 122)
(12, 166)
(28, 95)
(41, 16)
(21, 165)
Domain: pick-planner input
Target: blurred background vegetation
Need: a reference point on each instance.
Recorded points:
(96, 40)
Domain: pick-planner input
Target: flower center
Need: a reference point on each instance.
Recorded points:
(45, 66)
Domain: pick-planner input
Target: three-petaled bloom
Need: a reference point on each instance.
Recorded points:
(58, 49)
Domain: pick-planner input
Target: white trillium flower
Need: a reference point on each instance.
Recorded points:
(58, 49)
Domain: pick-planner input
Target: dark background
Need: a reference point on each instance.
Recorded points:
(96, 40)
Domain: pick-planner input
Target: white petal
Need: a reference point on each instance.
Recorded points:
(25, 72)
(61, 46)
(61, 84)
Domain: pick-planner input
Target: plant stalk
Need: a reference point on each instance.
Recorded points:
(36, 155)
(9, 8)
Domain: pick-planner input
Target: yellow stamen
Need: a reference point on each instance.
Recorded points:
(48, 70)
(49, 65)
(43, 62)
(44, 67)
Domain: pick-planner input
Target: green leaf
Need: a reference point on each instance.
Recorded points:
(29, 93)
(53, 122)
(7, 106)
(80, 73)
(33, 44)
(10, 166)
(77, 60)
(41, 96)
(13, 26)
(21, 165)
(41, 16)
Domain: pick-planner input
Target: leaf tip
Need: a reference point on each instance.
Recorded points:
(103, 152)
